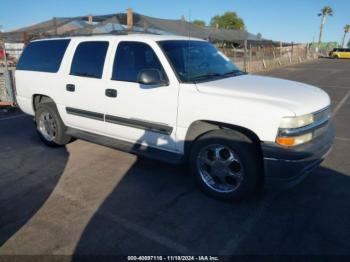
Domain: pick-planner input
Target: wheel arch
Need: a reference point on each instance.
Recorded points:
(201, 127)
(40, 98)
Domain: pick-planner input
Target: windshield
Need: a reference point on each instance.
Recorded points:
(198, 60)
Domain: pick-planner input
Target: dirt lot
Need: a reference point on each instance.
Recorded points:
(88, 199)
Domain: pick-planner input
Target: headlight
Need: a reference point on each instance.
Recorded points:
(298, 121)
(294, 123)
(297, 130)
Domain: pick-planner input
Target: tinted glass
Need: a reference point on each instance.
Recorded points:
(89, 58)
(44, 56)
(131, 58)
(198, 60)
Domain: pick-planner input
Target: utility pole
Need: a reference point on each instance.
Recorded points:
(55, 26)
(245, 55)
(130, 19)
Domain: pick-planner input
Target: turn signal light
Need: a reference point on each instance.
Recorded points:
(293, 140)
(285, 141)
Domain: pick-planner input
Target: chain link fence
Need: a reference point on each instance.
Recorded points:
(259, 58)
(10, 53)
(7, 96)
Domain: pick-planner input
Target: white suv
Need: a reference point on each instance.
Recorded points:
(175, 100)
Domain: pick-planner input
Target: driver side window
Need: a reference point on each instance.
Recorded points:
(133, 57)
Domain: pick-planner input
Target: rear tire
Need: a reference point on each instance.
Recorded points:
(50, 127)
(226, 164)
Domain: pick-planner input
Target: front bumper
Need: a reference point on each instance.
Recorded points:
(286, 167)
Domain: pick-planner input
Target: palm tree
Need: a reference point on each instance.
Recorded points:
(346, 30)
(325, 11)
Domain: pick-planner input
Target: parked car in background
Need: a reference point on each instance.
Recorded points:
(176, 100)
(340, 53)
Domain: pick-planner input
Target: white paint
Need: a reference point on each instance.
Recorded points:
(342, 139)
(341, 103)
(12, 117)
(254, 102)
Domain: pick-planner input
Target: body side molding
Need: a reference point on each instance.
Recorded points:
(137, 149)
(135, 123)
(84, 113)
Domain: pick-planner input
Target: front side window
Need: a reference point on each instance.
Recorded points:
(89, 58)
(133, 57)
(43, 56)
(198, 60)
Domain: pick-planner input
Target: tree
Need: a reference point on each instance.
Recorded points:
(325, 11)
(259, 36)
(199, 23)
(346, 30)
(228, 20)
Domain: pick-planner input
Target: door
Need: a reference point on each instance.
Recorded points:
(84, 87)
(141, 114)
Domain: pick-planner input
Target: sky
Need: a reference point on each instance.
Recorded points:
(279, 20)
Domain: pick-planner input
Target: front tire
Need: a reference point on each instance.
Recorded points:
(226, 164)
(50, 127)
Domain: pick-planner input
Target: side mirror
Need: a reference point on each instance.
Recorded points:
(151, 77)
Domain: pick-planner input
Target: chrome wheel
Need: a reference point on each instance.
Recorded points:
(47, 126)
(220, 168)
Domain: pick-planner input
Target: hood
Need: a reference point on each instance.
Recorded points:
(297, 97)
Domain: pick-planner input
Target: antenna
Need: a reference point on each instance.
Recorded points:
(189, 42)
(189, 23)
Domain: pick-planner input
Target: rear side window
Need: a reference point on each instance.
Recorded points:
(43, 56)
(89, 58)
(131, 58)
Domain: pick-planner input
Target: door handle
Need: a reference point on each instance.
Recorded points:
(111, 93)
(70, 88)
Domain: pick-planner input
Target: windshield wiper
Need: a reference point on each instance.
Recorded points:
(234, 72)
(205, 76)
(231, 73)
